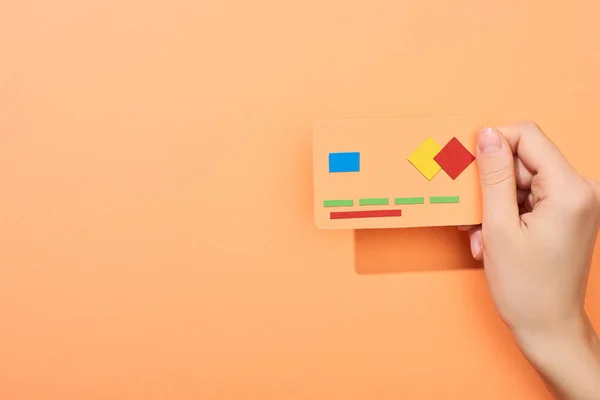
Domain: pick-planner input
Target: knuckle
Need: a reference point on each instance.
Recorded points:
(537, 185)
(496, 176)
(531, 126)
(594, 186)
(582, 201)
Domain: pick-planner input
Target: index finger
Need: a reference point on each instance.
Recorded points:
(534, 148)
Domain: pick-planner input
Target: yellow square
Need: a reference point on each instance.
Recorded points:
(422, 158)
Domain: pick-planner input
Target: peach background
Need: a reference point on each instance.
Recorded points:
(157, 239)
(385, 145)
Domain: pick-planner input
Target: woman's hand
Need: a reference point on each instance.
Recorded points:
(540, 222)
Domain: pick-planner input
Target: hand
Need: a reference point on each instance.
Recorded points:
(540, 222)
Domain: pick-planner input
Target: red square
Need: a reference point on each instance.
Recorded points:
(454, 158)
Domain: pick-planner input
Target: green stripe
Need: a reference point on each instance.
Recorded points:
(381, 201)
(444, 199)
(338, 203)
(409, 200)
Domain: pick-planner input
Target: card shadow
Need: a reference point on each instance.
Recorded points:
(386, 251)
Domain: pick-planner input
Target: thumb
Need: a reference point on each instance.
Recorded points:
(498, 184)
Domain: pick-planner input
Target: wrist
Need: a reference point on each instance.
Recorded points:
(576, 333)
(566, 355)
(532, 336)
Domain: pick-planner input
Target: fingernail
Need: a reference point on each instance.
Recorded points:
(489, 141)
(475, 245)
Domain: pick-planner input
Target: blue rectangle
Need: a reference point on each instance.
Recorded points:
(344, 162)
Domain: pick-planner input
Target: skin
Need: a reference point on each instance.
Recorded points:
(540, 222)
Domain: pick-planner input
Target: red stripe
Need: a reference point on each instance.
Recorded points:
(365, 214)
